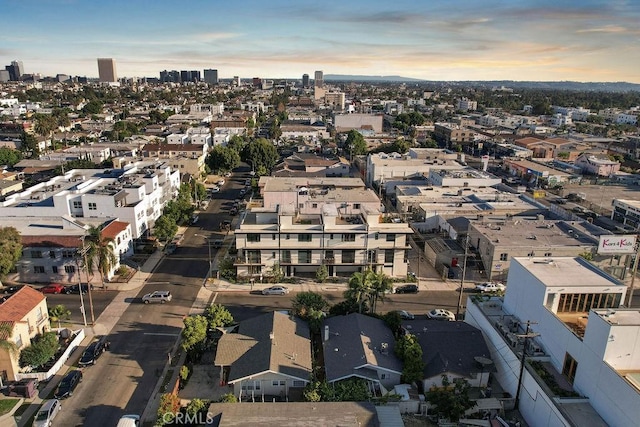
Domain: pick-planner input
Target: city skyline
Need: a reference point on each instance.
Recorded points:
(592, 41)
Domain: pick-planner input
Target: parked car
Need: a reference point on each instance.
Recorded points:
(157, 296)
(75, 289)
(490, 287)
(47, 412)
(68, 384)
(11, 289)
(129, 420)
(194, 219)
(405, 315)
(220, 182)
(227, 175)
(407, 289)
(275, 290)
(93, 352)
(218, 243)
(170, 248)
(441, 314)
(215, 189)
(53, 288)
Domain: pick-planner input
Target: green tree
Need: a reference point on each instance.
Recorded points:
(42, 349)
(194, 331)
(359, 288)
(29, 145)
(59, 313)
(228, 398)
(276, 273)
(322, 274)
(9, 156)
(165, 227)
(222, 159)
(394, 322)
(451, 400)
(380, 285)
(6, 331)
(261, 155)
(305, 303)
(218, 315)
(409, 351)
(10, 249)
(169, 407)
(195, 407)
(355, 143)
(93, 107)
(99, 253)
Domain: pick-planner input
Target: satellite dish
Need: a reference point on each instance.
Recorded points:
(484, 361)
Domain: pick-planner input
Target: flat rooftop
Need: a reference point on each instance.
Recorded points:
(567, 272)
(620, 316)
(283, 184)
(535, 233)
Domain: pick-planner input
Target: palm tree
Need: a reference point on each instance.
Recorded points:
(6, 330)
(99, 253)
(58, 313)
(380, 285)
(359, 287)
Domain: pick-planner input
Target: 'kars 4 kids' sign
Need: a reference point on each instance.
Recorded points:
(617, 244)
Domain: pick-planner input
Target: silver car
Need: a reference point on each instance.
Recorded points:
(157, 296)
(47, 412)
(275, 290)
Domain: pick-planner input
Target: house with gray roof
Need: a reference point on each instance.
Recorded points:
(359, 346)
(455, 349)
(266, 355)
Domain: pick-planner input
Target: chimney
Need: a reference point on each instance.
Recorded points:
(326, 333)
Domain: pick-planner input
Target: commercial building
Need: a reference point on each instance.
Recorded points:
(627, 212)
(564, 318)
(305, 80)
(107, 70)
(211, 76)
(347, 122)
(318, 79)
(382, 167)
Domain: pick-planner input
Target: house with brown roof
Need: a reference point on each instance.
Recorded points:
(268, 355)
(23, 315)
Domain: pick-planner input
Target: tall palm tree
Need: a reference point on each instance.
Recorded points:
(380, 285)
(99, 253)
(6, 330)
(359, 287)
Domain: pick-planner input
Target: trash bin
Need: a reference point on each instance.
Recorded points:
(24, 388)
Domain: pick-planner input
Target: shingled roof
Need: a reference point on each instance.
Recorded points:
(253, 351)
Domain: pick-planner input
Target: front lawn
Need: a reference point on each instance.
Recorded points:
(6, 405)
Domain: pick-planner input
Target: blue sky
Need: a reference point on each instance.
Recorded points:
(426, 39)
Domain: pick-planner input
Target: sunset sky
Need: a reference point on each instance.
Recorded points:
(432, 40)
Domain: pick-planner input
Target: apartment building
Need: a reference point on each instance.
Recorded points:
(26, 315)
(345, 240)
(383, 167)
(452, 134)
(188, 159)
(577, 333)
(592, 164)
(627, 212)
(136, 195)
(347, 122)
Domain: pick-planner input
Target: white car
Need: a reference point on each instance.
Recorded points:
(490, 287)
(441, 314)
(220, 182)
(215, 189)
(275, 290)
(405, 315)
(157, 296)
(47, 412)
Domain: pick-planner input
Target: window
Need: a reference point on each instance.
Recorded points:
(391, 237)
(288, 236)
(349, 237)
(348, 256)
(38, 269)
(54, 269)
(383, 376)
(504, 257)
(253, 238)
(77, 205)
(298, 383)
(376, 236)
(356, 206)
(304, 237)
(52, 254)
(92, 206)
(36, 254)
(19, 341)
(328, 254)
(300, 205)
(547, 254)
(273, 237)
(388, 256)
(275, 383)
(39, 315)
(273, 254)
(304, 257)
(286, 256)
(314, 205)
(283, 383)
(570, 367)
(68, 254)
(255, 269)
(69, 268)
(253, 257)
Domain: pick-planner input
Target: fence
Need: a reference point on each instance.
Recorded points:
(45, 376)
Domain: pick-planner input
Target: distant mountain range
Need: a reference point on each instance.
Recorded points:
(561, 85)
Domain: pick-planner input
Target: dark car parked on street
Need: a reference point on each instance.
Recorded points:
(68, 384)
(407, 289)
(75, 289)
(94, 351)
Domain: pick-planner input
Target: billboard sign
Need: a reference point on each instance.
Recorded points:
(617, 244)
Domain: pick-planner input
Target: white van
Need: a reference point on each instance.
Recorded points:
(130, 420)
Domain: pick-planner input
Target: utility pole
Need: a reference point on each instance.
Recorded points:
(464, 271)
(84, 315)
(528, 334)
(86, 266)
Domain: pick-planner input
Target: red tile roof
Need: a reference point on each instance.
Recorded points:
(18, 305)
(112, 230)
(52, 241)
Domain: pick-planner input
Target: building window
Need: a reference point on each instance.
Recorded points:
(304, 257)
(349, 237)
(298, 383)
(92, 206)
(376, 236)
(253, 238)
(253, 257)
(77, 205)
(391, 237)
(275, 383)
(300, 205)
(52, 254)
(388, 256)
(304, 237)
(36, 254)
(383, 376)
(255, 269)
(54, 269)
(288, 236)
(348, 256)
(273, 254)
(69, 268)
(356, 206)
(314, 205)
(569, 367)
(68, 254)
(273, 237)
(38, 269)
(504, 257)
(547, 254)
(286, 256)
(19, 341)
